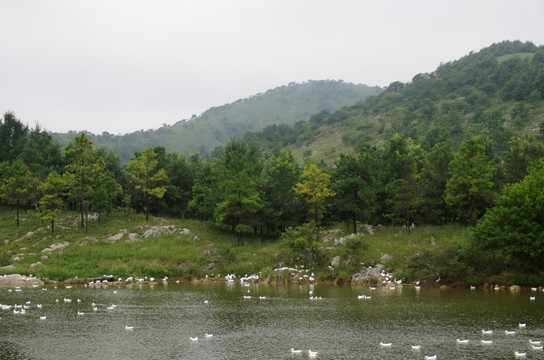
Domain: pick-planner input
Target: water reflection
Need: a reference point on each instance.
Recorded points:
(339, 324)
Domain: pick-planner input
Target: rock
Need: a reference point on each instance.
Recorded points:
(335, 262)
(115, 237)
(367, 275)
(19, 280)
(385, 257)
(133, 237)
(56, 246)
(369, 229)
(160, 230)
(33, 265)
(195, 239)
(88, 240)
(185, 231)
(443, 287)
(515, 288)
(7, 267)
(210, 252)
(342, 240)
(92, 217)
(29, 234)
(332, 234)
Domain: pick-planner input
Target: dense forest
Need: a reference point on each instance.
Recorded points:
(464, 144)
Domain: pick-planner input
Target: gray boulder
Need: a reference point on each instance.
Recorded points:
(370, 275)
(160, 230)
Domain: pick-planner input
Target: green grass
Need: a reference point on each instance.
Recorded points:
(91, 254)
(424, 253)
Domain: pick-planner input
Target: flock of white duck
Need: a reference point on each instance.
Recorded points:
(535, 345)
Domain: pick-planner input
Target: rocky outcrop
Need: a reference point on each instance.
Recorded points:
(133, 237)
(56, 246)
(164, 230)
(20, 280)
(335, 262)
(369, 275)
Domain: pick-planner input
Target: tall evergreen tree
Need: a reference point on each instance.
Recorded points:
(314, 190)
(16, 184)
(147, 177)
(52, 192)
(82, 169)
(471, 187)
(239, 188)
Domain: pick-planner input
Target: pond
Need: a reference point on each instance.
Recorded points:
(258, 321)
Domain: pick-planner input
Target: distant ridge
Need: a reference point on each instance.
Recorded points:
(216, 126)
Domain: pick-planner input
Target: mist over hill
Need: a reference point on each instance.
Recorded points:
(216, 126)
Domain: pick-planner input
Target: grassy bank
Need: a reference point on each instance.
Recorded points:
(425, 253)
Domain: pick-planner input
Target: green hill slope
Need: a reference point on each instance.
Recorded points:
(499, 91)
(216, 126)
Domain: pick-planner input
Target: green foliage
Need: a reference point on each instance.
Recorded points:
(51, 202)
(16, 184)
(471, 187)
(147, 177)
(240, 198)
(515, 226)
(314, 191)
(302, 240)
(82, 169)
(13, 137)
(355, 245)
(104, 192)
(280, 206)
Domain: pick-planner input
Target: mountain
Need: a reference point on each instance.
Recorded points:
(216, 126)
(498, 90)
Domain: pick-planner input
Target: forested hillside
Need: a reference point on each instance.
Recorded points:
(216, 126)
(497, 91)
(464, 144)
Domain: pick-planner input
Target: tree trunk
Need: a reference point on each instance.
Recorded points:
(17, 213)
(354, 224)
(52, 226)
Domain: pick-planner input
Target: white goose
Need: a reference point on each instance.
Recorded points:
(430, 357)
(519, 354)
(486, 342)
(462, 341)
(416, 347)
(312, 353)
(293, 351)
(383, 344)
(128, 328)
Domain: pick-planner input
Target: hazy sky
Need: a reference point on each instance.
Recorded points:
(125, 65)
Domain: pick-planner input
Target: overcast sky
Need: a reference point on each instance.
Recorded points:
(125, 65)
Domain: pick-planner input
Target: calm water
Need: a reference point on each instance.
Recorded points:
(338, 326)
